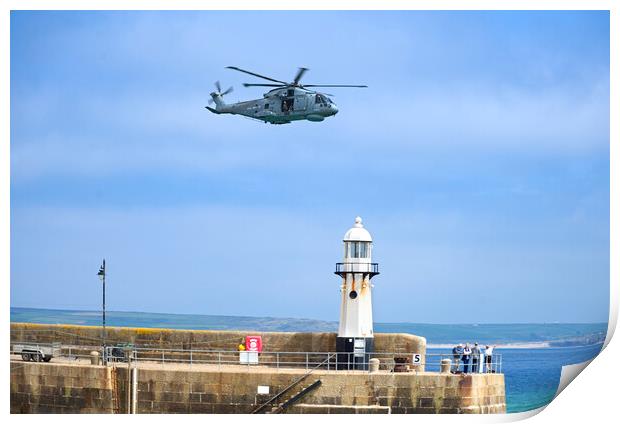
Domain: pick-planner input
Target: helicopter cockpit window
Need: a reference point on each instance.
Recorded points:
(320, 99)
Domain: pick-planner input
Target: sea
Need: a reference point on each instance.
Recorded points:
(532, 354)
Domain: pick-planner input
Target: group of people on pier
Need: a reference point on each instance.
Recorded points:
(481, 359)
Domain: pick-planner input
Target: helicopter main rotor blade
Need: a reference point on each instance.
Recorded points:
(320, 92)
(300, 73)
(264, 85)
(334, 85)
(255, 74)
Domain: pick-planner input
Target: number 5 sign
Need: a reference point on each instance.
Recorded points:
(254, 343)
(416, 359)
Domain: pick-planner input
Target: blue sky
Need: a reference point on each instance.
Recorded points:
(478, 158)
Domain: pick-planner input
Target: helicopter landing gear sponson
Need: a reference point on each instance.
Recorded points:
(315, 118)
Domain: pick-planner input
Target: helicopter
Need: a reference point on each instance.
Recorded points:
(286, 102)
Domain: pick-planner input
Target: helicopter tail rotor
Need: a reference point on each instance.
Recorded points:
(219, 89)
(216, 96)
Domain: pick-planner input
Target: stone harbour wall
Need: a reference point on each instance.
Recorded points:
(407, 393)
(61, 388)
(203, 339)
(52, 388)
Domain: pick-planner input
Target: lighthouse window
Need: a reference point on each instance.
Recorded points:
(353, 250)
(357, 249)
(363, 250)
(349, 249)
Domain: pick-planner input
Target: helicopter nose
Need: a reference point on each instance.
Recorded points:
(334, 109)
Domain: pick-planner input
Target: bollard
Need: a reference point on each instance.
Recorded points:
(446, 364)
(94, 357)
(373, 365)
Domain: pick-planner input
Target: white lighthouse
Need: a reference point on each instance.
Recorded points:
(355, 335)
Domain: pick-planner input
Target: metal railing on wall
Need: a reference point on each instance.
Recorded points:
(387, 361)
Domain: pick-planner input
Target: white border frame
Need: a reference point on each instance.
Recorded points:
(589, 399)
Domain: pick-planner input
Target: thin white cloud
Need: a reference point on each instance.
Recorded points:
(149, 133)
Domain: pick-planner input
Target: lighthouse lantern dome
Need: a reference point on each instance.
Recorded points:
(357, 232)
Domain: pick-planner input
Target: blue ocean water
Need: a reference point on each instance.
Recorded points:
(532, 375)
(532, 354)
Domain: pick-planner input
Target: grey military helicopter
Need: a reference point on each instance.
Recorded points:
(286, 102)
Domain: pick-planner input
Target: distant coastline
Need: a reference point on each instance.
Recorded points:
(439, 336)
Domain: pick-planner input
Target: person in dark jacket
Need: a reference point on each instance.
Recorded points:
(466, 357)
(457, 352)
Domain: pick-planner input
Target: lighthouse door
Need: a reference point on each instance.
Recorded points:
(359, 347)
(353, 352)
(360, 358)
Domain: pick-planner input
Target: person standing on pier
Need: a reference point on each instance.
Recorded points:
(466, 358)
(488, 358)
(475, 358)
(457, 352)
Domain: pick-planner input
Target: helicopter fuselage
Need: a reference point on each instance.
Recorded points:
(281, 106)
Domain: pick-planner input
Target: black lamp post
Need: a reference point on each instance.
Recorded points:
(101, 275)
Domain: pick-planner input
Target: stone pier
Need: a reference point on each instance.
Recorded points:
(68, 385)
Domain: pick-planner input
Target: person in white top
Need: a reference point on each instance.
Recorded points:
(488, 358)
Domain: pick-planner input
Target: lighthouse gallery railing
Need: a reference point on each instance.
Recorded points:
(370, 268)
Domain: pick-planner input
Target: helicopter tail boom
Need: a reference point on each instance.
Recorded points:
(210, 109)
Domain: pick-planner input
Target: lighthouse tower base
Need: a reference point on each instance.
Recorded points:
(353, 353)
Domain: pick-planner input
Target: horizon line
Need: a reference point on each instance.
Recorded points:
(314, 319)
